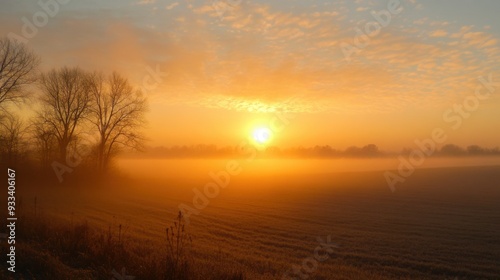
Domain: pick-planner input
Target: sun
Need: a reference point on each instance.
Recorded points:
(262, 135)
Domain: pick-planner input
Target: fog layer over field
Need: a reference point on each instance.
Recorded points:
(440, 223)
(195, 168)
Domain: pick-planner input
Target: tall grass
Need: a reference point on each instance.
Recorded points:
(55, 249)
(178, 242)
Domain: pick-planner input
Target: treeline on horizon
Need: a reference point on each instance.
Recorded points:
(325, 151)
(77, 117)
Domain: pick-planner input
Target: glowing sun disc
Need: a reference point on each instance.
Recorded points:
(262, 135)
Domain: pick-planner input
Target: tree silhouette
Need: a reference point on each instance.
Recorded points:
(12, 143)
(117, 112)
(17, 65)
(44, 140)
(65, 104)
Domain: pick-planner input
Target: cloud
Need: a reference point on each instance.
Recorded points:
(171, 6)
(259, 56)
(439, 33)
(146, 2)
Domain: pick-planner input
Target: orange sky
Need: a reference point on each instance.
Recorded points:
(224, 71)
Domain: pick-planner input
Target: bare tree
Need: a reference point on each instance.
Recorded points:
(12, 143)
(65, 104)
(17, 65)
(44, 139)
(118, 113)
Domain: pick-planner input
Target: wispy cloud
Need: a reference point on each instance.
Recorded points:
(171, 6)
(262, 54)
(146, 2)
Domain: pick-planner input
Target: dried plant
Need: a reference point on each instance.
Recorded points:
(178, 245)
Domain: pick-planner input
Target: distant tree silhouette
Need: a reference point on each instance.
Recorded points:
(117, 112)
(370, 150)
(65, 104)
(17, 70)
(476, 150)
(12, 142)
(452, 150)
(45, 141)
(324, 151)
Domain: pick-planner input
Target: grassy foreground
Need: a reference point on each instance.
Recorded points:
(49, 249)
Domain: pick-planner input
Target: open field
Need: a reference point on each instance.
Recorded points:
(249, 140)
(441, 224)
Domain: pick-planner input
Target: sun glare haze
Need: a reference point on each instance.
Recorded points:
(262, 135)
